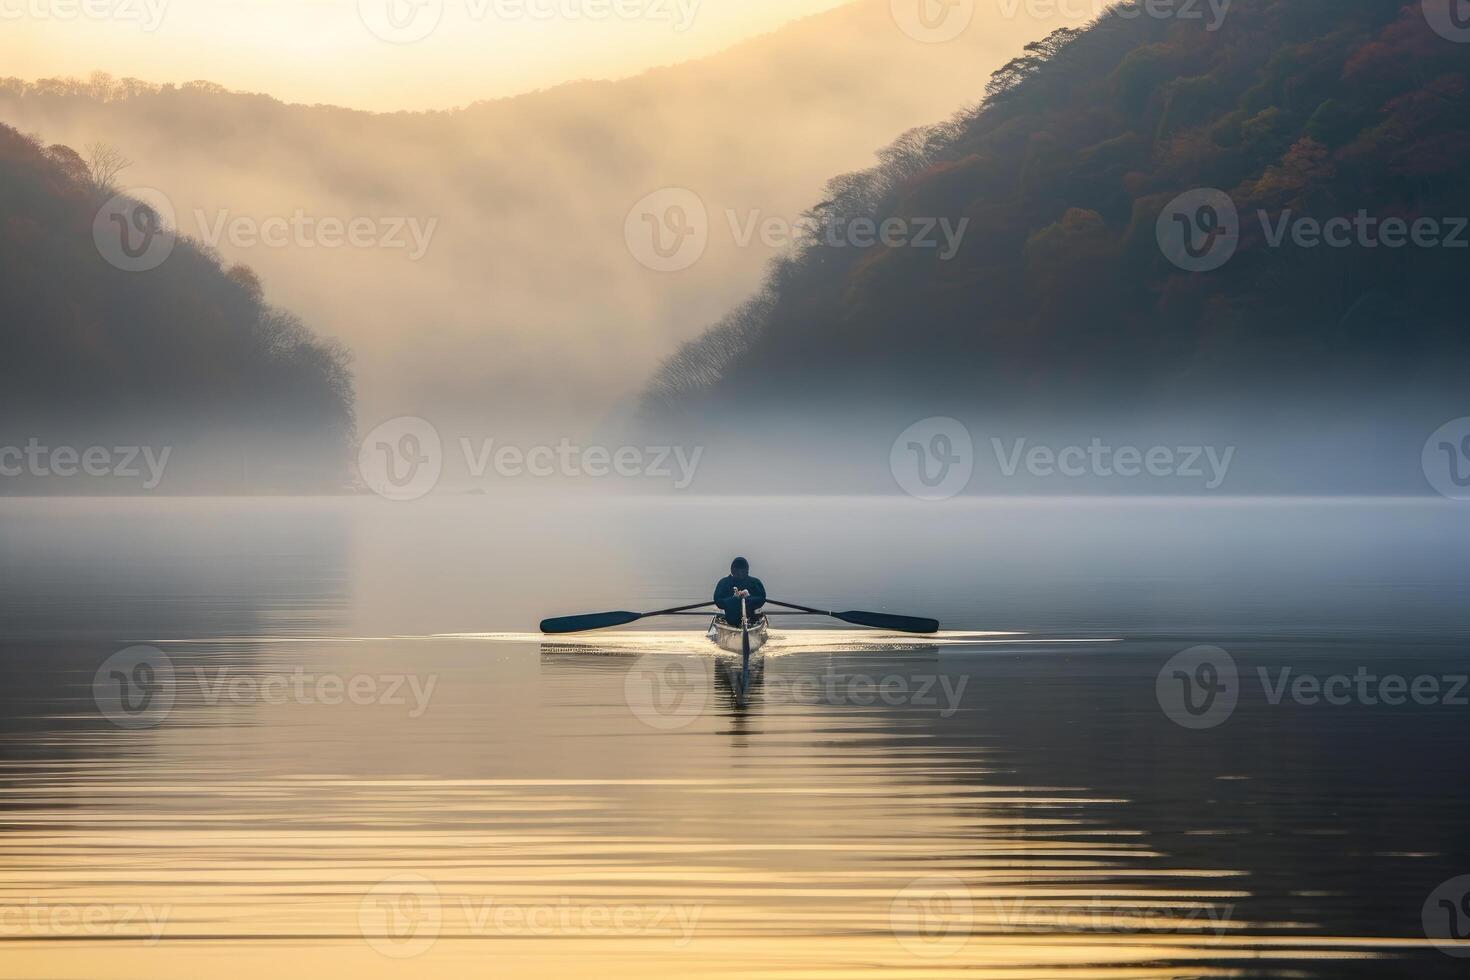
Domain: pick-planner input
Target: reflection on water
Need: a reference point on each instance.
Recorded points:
(329, 790)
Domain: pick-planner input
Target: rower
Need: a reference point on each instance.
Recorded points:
(739, 584)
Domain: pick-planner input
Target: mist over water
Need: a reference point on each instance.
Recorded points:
(368, 757)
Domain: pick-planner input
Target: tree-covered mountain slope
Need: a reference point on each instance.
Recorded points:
(1157, 212)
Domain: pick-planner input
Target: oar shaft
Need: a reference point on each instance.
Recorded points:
(597, 621)
(805, 609)
(676, 609)
(903, 624)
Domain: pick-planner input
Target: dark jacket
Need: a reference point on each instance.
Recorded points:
(725, 593)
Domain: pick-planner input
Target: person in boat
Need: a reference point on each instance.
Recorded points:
(739, 584)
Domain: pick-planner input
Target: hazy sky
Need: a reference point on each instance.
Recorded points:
(368, 53)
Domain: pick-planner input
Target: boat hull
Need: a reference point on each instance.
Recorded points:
(727, 637)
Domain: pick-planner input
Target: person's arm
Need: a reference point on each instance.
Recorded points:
(757, 590)
(724, 590)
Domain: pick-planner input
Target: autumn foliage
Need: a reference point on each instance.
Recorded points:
(1294, 108)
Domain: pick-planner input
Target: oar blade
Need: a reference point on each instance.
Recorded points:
(883, 621)
(590, 621)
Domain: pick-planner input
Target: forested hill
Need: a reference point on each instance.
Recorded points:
(127, 352)
(1067, 286)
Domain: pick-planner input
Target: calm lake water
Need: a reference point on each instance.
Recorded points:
(320, 737)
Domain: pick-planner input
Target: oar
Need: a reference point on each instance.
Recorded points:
(744, 651)
(601, 621)
(882, 621)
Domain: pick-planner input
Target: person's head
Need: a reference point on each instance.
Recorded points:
(740, 568)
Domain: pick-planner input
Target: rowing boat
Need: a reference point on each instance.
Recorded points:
(728, 638)
(732, 638)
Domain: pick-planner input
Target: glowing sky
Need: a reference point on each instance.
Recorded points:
(335, 51)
